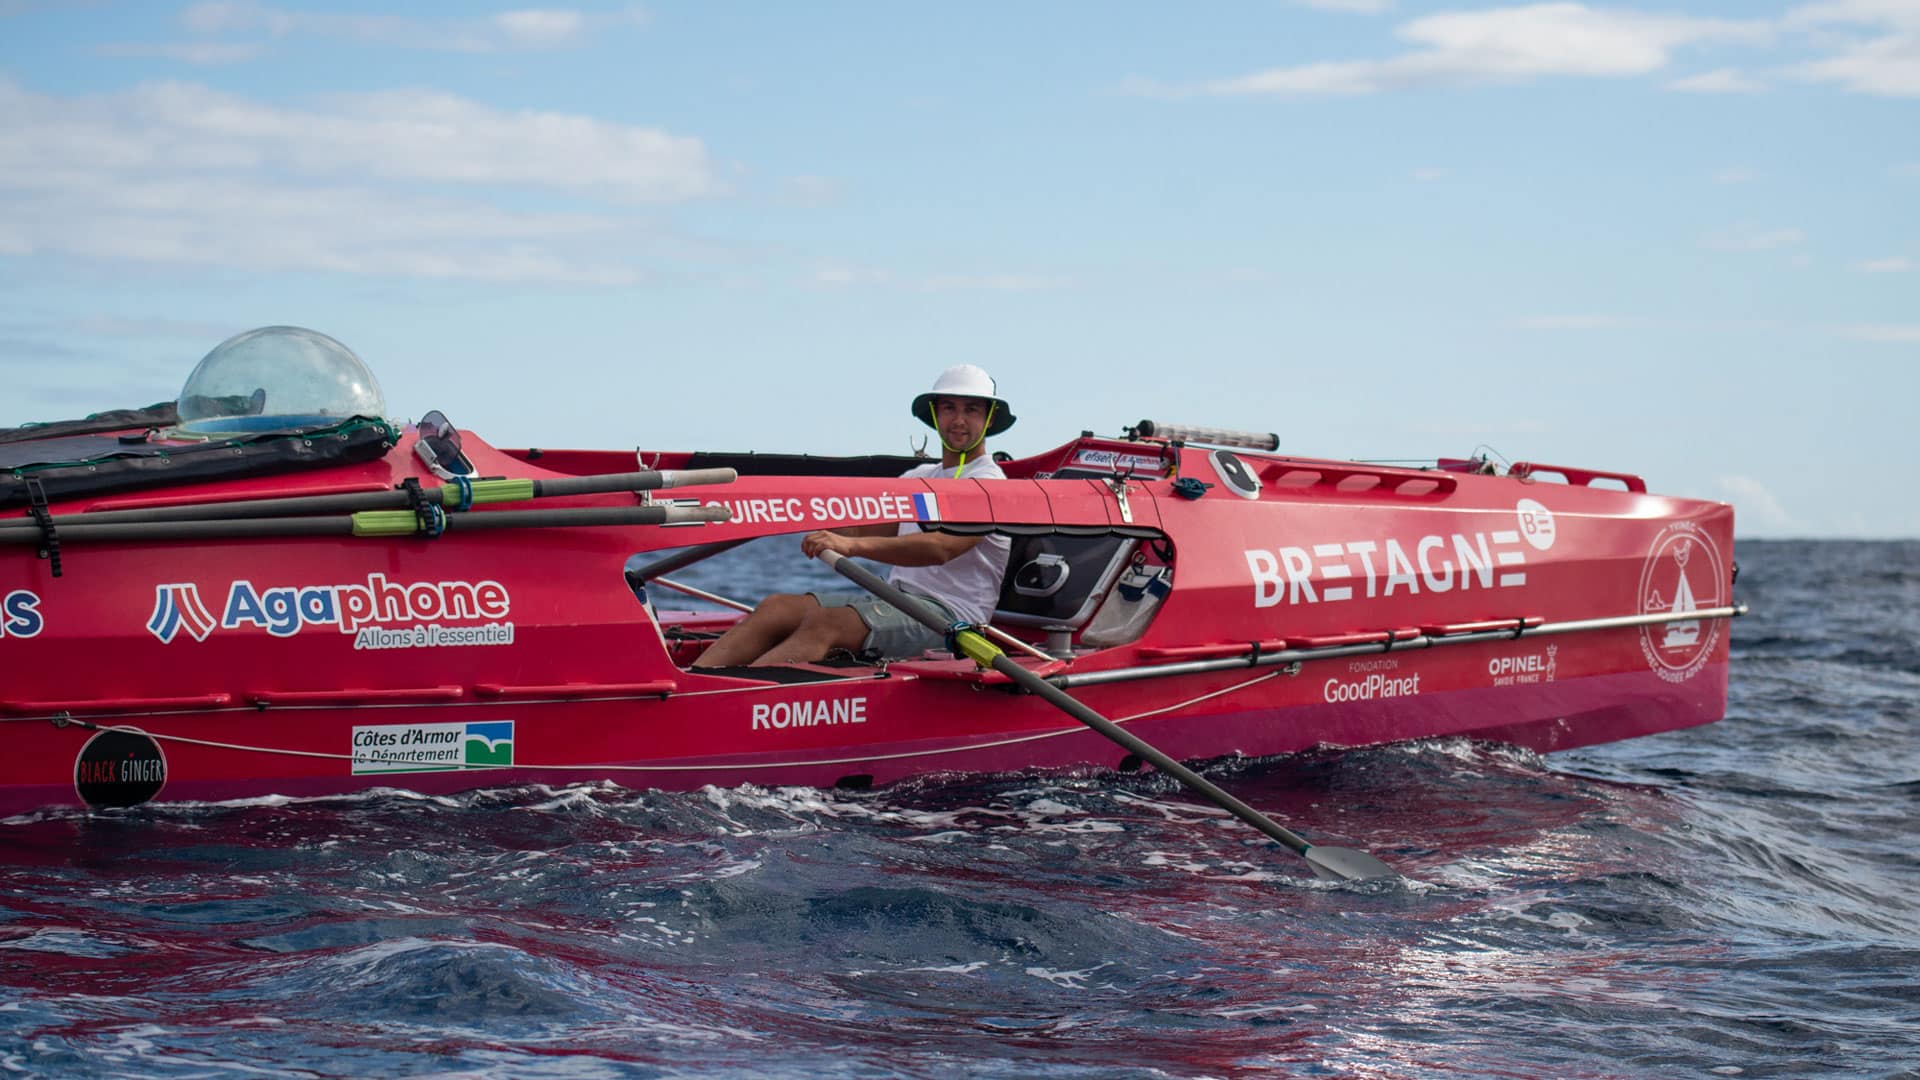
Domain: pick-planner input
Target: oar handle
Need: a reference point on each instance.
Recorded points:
(981, 651)
(406, 522)
(644, 480)
(698, 477)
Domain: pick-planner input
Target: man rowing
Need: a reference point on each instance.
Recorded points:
(960, 575)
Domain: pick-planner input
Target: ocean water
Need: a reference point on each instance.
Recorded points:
(1737, 900)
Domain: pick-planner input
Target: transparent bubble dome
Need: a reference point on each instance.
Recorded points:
(277, 377)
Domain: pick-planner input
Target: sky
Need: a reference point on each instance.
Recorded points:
(1676, 239)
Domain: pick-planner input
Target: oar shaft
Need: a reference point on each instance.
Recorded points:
(391, 523)
(347, 502)
(1065, 702)
(1060, 699)
(586, 516)
(645, 480)
(680, 560)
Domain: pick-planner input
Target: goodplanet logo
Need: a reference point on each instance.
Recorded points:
(1372, 687)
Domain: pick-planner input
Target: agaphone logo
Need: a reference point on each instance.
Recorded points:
(20, 614)
(379, 613)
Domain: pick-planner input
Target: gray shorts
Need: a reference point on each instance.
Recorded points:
(892, 633)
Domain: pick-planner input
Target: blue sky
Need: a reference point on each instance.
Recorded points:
(1677, 239)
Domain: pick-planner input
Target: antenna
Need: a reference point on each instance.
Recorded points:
(1210, 436)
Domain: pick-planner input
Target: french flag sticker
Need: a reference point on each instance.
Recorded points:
(926, 506)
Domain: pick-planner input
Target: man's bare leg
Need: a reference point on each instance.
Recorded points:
(764, 627)
(823, 630)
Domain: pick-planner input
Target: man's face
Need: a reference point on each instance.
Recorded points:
(962, 420)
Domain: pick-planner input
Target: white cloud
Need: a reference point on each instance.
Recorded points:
(1350, 7)
(1893, 264)
(1888, 66)
(1717, 81)
(1907, 169)
(114, 326)
(541, 29)
(1898, 12)
(1428, 174)
(1734, 176)
(1498, 45)
(1749, 237)
(176, 173)
(175, 127)
(1885, 61)
(808, 191)
(1891, 333)
(533, 28)
(1751, 500)
(250, 225)
(190, 52)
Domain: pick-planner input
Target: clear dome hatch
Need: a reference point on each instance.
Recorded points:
(275, 378)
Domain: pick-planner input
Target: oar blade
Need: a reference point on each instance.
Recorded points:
(1346, 864)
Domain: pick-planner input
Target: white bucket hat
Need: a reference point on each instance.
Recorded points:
(965, 380)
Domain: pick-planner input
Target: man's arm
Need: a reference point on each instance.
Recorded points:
(913, 549)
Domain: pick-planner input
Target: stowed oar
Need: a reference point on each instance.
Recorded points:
(1331, 863)
(381, 523)
(446, 495)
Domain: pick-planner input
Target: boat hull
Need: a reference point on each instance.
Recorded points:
(1335, 605)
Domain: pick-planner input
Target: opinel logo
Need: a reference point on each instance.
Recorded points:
(177, 607)
(1683, 573)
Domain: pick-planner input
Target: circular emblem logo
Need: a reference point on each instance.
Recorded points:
(119, 768)
(1683, 573)
(1536, 524)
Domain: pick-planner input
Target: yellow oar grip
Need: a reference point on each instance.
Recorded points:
(499, 491)
(977, 649)
(386, 523)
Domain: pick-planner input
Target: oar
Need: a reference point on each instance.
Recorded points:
(1331, 863)
(384, 523)
(447, 495)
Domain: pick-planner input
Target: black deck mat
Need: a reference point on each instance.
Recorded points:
(75, 465)
(772, 674)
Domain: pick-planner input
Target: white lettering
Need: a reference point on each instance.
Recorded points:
(1471, 564)
(1440, 582)
(1399, 569)
(1333, 571)
(1370, 688)
(781, 715)
(1266, 577)
(1365, 549)
(1324, 572)
(1299, 571)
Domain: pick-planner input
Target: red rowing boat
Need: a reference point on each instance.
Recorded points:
(211, 600)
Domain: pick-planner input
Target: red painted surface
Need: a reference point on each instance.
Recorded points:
(301, 649)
